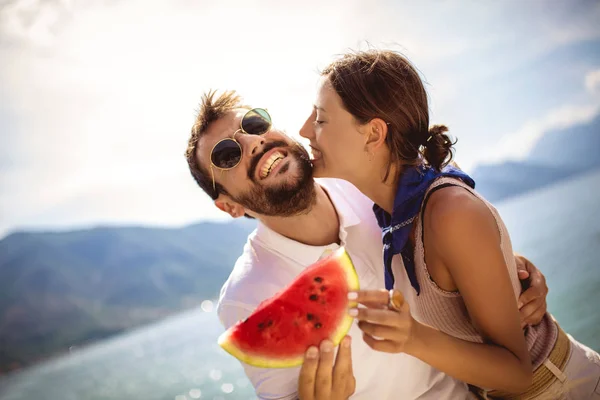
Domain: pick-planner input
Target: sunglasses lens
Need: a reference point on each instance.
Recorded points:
(226, 154)
(256, 121)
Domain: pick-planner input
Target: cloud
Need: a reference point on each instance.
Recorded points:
(33, 21)
(98, 97)
(517, 145)
(592, 81)
(101, 95)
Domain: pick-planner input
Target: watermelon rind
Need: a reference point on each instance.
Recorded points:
(353, 285)
(256, 361)
(224, 341)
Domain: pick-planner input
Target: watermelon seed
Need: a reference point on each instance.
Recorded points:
(313, 297)
(246, 320)
(261, 325)
(318, 325)
(270, 323)
(310, 317)
(323, 288)
(318, 279)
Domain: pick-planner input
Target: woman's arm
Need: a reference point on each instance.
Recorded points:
(463, 235)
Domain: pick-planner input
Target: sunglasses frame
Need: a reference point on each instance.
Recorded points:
(232, 138)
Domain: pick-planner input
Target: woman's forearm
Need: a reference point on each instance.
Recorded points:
(485, 365)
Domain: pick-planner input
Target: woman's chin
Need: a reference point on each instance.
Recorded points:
(320, 171)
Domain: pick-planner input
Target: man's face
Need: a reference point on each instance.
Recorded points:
(274, 175)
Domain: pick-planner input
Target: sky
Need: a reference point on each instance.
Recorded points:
(97, 98)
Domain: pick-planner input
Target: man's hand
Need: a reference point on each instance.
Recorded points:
(532, 302)
(321, 378)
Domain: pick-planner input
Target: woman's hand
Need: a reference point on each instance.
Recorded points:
(532, 301)
(386, 321)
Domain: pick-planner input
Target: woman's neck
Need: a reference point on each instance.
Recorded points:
(372, 184)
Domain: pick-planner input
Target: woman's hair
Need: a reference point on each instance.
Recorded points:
(383, 84)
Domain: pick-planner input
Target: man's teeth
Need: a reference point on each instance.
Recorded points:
(271, 163)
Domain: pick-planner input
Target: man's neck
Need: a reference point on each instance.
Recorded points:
(319, 226)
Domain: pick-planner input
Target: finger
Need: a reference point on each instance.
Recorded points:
(528, 265)
(386, 346)
(529, 309)
(396, 300)
(378, 297)
(324, 370)
(308, 373)
(520, 264)
(535, 316)
(521, 261)
(538, 281)
(381, 332)
(528, 296)
(381, 317)
(351, 381)
(342, 370)
(523, 274)
(375, 305)
(350, 368)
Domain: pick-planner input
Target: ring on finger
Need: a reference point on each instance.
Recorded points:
(395, 300)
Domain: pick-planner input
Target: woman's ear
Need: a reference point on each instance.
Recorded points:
(377, 130)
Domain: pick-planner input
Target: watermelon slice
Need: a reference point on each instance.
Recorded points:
(310, 309)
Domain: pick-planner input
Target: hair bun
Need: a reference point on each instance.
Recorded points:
(438, 147)
(435, 130)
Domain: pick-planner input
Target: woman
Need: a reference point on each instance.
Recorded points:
(446, 248)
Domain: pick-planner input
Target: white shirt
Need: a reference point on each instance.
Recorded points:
(270, 261)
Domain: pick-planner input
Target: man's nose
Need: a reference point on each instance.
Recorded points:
(251, 144)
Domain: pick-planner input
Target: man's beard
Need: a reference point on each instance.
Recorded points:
(288, 198)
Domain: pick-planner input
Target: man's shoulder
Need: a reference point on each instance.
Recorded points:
(257, 275)
(242, 275)
(346, 196)
(340, 186)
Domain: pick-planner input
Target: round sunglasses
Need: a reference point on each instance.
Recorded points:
(227, 153)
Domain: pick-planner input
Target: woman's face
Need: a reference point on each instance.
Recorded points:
(336, 138)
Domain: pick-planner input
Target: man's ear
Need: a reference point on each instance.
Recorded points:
(226, 204)
(377, 130)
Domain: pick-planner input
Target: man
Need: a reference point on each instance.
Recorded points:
(250, 168)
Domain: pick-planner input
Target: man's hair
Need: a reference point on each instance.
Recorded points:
(211, 109)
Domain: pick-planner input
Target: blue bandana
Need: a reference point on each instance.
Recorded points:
(396, 228)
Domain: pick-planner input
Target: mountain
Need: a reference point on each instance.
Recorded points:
(60, 289)
(557, 155)
(577, 146)
(500, 181)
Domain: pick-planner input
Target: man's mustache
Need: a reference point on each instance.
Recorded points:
(267, 147)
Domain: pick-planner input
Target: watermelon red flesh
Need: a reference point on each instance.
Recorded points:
(312, 308)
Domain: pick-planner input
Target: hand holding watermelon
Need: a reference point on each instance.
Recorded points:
(323, 379)
(312, 308)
